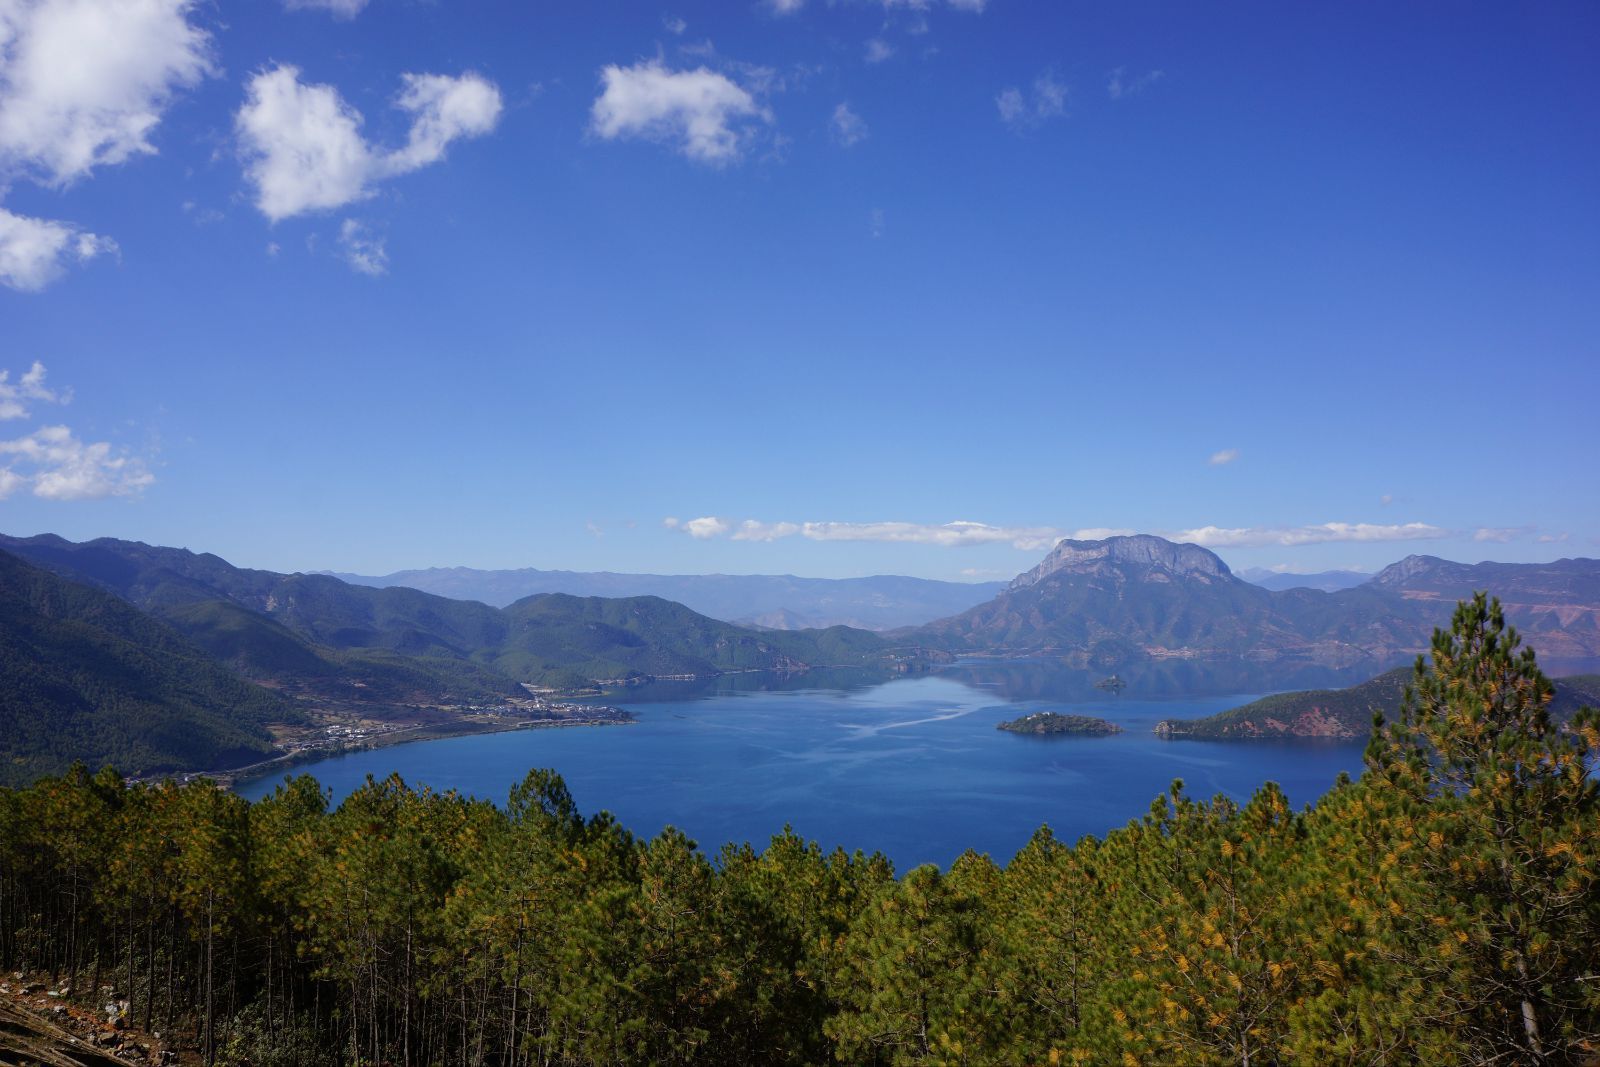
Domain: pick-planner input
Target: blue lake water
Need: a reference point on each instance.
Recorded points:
(911, 767)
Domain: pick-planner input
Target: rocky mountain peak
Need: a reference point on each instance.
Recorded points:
(1406, 569)
(1145, 550)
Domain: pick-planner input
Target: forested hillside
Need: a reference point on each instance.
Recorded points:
(1443, 909)
(319, 635)
(1345, 712)
(87, 677)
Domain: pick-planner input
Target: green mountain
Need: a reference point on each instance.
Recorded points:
(324, 637)
(599, 637)
(1102, 604)
(1344, 713)
(310, 635)
(88, 677)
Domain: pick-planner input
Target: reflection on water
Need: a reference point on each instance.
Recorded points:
(1044, 678)
(910, 766)
(1023, 679)
(839, 679)
(1047, 679)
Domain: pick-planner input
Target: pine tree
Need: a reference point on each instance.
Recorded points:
(1496, 818)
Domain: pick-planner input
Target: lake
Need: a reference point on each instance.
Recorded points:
(911, 767)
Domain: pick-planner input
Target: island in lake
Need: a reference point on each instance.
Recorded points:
(1054, 724)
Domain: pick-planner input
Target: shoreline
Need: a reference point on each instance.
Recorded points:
(232, 778)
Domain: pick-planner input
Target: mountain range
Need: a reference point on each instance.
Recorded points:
(776, 602)
(1327, 581)
(1125, 599)
(162, 658)
(770, 601)
(323, 638)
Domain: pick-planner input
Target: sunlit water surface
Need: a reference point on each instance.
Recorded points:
(911, 767)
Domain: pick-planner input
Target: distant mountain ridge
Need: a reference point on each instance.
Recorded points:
(779, 602)
(1327, 581)
(327, 638)
(1121, 599)
(1555, 605)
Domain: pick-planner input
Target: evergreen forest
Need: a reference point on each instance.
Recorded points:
(1444, 908)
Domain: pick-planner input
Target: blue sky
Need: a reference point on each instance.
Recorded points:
(371, 286)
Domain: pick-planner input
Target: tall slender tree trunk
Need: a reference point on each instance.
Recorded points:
(210, 1049)
(1530, 1015)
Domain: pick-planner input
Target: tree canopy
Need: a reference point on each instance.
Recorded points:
(1441, 909)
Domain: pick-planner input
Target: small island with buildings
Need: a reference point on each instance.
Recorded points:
(1054, 724)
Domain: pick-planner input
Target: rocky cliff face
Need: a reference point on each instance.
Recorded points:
(1116, 553)
(1398, 574)
(1107, 602)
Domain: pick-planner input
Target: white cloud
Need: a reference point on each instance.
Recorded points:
(785, 7)
(1012, 105)
(1036, 538)
(1100, 533)
(35, 252)
(705, 528)
(1049, 97)
(1118, 86)
(1500, 534)
(875, 222)
(1224, 457)
(705, 115)
(1386, 499)
(58, 466)
(83, 83)
(202, 216)
(303, 146)
(14, 398)
(848, 127)
(339, 9)
(1328, 532)
(878, 50)
(1553, 539)
(975, 6)
(364, 251)
(444, 110)
(949, 534)
(674, 24)
(1020, 110)
(751, 530)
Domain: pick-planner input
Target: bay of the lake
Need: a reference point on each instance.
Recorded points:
(911, 767)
